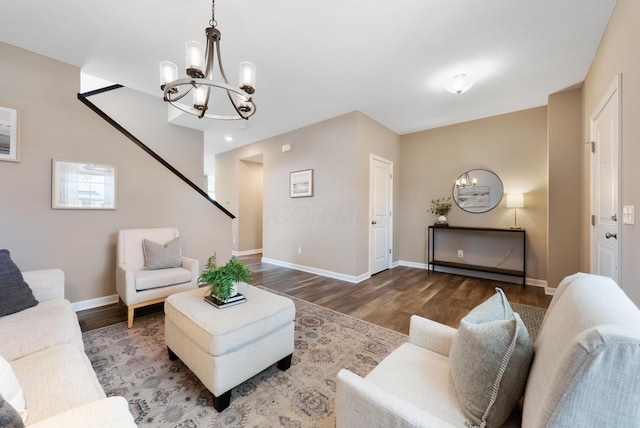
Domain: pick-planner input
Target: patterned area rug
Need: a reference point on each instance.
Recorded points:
(161, 393)
(531, 317)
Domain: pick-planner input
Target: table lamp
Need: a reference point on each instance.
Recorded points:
(515, 201)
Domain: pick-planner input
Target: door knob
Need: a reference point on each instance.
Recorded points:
(374, 222)
(611, 235)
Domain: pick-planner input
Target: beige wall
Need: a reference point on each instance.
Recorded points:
(332, 226)
(618, 54)
(82, 242)
(513, 146)
(565, 171)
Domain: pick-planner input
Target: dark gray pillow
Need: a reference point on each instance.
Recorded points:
(9, 417)
(489, 360)
(15, 294)
(158, 256)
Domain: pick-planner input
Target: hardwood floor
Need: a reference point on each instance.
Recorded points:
(387, 299)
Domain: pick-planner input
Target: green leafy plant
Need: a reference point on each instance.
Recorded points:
(440, 206)
(221, 279)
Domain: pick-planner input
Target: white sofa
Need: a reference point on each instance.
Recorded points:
(585, 370)
(43, 345)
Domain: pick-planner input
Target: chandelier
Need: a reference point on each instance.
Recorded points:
(464, 181)
(201, 69)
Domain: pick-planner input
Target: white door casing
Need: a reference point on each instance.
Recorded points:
(606, 236)
(380, 209)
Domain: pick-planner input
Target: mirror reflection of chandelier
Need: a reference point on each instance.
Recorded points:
(201, 69)
(465, 181)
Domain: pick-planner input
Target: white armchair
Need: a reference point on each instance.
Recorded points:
(138, 286)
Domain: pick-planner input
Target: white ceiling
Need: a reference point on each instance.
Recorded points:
(316, 60)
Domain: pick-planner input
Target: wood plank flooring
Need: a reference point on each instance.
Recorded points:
(387, 299)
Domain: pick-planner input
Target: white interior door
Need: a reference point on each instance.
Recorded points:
(605, 137)
(380, 191)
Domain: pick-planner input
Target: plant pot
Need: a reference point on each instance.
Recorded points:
(442, 221)
(234, 290)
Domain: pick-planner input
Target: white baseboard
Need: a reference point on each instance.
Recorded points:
(246, 252)
(94, 303)
(321, 272)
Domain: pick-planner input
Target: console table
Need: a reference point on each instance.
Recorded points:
(432, 238)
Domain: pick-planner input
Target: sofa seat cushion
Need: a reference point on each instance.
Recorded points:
(49, 323)
(220, 331)
(56, 379)
(422, 378)
(149, 279)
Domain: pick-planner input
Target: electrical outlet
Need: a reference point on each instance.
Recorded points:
(460, 253)
(299, 250)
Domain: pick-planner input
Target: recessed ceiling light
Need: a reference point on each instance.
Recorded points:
(228, 138)
(460, 83)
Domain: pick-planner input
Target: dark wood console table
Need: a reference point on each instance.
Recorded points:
(432, 262)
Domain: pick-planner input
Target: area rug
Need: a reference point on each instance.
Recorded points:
(161, 393)
(531, 317)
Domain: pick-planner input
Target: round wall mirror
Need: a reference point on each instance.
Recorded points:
(478, 191)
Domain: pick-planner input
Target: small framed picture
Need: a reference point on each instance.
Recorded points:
(9, 134)
(83, 185)
(301, 183)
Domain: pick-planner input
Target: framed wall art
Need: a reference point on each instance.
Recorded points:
(83, 185)
(9, 134)
(301, 183)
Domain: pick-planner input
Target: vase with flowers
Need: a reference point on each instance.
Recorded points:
(441, 207)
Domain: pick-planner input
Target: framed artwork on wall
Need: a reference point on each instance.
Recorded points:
(301, 183)
(83, 185)
(9, 134)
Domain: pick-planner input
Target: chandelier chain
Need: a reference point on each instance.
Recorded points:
(213, 22)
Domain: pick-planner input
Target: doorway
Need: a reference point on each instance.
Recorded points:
(606, 132)
(380, 209)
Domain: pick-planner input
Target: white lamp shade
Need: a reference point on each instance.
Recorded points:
(247, 79)
(168, 72)
(200, 94)
(515, 200)
(194, 56)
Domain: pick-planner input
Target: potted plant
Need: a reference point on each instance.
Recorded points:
(441, 207)
(223, 280)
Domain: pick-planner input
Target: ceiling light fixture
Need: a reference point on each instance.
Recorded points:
(460, 83)
(201, 69)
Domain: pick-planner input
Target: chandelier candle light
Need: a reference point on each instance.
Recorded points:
(200, 67)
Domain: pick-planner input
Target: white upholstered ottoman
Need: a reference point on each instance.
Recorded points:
(225, 347)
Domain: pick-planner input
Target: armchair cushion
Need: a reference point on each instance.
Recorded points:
(146, 280)
(159, 256)
(490, 359)
(15, 294)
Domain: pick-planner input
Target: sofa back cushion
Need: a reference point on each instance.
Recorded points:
(587, 358)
